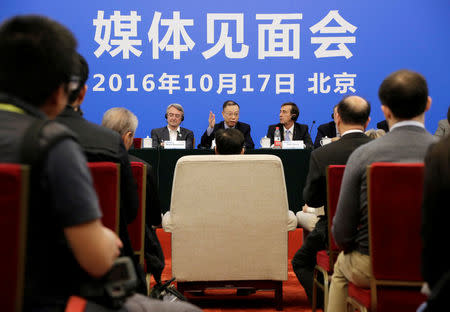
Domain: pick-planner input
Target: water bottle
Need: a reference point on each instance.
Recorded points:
(277, 138)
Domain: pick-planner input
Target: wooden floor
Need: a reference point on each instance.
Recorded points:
(221, 300)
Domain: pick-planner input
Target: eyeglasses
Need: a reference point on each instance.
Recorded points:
(229, 114)
(174, 115)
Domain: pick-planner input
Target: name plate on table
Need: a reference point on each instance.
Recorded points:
(147, 142)
(298, 144)
(174, 144)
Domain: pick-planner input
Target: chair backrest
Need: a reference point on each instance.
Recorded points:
(136, 229)
(14, 180)
(137, 143)
(106, 179)
(230, 216)
(334, 181)
(394, 208)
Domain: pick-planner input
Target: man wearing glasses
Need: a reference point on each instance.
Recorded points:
(173, 131)
(230, 115)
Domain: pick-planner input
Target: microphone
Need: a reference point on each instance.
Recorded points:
(179, 134)
(312, 125)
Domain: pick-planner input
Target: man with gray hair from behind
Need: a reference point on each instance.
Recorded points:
(125, 123)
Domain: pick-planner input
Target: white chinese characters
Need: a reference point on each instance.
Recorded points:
(278, 35)
(325, 42)
(344, 83)
(176, 31)
(225, 41)
(125, 26)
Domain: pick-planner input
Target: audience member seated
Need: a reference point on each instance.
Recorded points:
(327, 130)
(67, 245)
(443, 126)
(173, 131)
(375, 133)
(404, 101)
(102, 144)
(230, 114)
(125, 123)
(352, 117)
(289, 129)
(435, 216)
(228, 142)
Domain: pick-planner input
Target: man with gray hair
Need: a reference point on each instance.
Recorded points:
(125, 123)
(173, 131)
(122, 121)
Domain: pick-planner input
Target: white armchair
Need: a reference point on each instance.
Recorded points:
(229, 223)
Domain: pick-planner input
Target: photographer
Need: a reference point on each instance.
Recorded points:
(67, 245)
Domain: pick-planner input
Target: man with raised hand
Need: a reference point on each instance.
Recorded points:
(230, 114)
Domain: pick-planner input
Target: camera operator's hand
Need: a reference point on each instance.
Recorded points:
(116, 242)
(94, 246)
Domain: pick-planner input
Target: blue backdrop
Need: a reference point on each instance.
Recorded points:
(144, 55)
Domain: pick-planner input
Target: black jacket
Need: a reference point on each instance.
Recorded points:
(300, 133)
(103, 144)
(241, 126)
(162, 134)
(328, 129)
(383, 125)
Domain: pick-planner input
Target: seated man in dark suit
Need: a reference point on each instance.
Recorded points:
(230, 115)
(102, 144)
(327, 130)
(125, 123)
(383, 125)
(173, 131)
(289, 129)
(352, 118)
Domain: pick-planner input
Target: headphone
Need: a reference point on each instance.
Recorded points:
(294, 111)
(182, 116)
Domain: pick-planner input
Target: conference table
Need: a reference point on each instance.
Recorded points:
(295, 163)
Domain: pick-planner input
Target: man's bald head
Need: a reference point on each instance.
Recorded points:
(354, 110)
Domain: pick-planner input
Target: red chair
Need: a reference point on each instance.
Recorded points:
(394, 211)
(136, 229)
(137, 143)
(106, 178)
(325, 258)
(14, 179)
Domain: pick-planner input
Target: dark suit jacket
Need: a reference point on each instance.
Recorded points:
(435, 212)
(383, 125)
(102, 144)
(162, 134)
(152, 203)
(328, 129)
(335, 153)
(300, 133)
(154, 255)
(206, 140)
